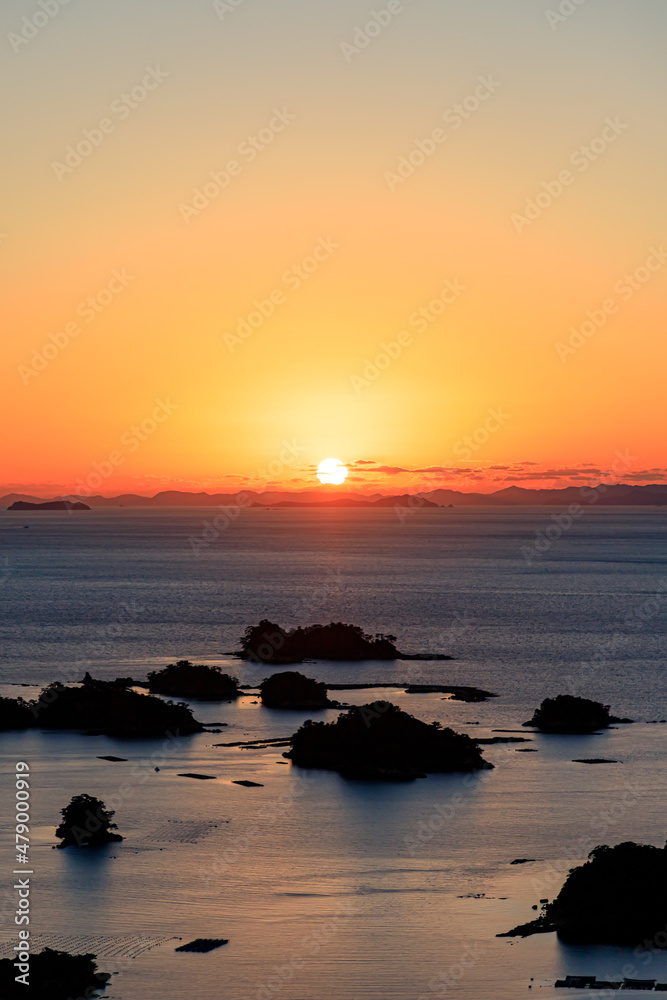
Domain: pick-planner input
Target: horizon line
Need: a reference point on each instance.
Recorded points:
(333, 493)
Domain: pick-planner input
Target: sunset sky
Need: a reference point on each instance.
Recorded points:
(374, 207)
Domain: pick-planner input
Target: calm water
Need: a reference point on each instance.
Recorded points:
(329, 888)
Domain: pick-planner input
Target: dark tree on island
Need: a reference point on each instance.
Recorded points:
(567, 714)
(618, 897)
(194, 680)
(104, 707)
(379, 741)
(99, 707)
(15, 714)
(291, 689)
(270, 643)
(53, 975)
(86, 822)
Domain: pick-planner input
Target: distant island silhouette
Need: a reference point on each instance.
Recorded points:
(268, 642)
(597, 494)
(404, 500)
(49, 505)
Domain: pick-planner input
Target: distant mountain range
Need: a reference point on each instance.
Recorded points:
(514, 496)
(517, 496)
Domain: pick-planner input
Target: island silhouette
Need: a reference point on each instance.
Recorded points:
(268, 642)
(617, 897)
(194, 680)
(86, 822)
(49, 505)
(53, 975)
(291, 690)
(98, 707)
(378, 741)
(568, 714)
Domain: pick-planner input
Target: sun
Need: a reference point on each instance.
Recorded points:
(332, 472)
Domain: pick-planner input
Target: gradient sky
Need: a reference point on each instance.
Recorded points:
(265, 409)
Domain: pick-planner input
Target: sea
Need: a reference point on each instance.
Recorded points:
(326, 887)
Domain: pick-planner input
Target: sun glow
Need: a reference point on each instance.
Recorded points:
(331, 471)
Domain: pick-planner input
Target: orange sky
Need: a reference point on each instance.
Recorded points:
(339, 297)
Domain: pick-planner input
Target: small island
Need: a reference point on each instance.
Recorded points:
(49, 505)
(268, 642)
(99, 707)
(617, 897)
(404, 500)
(86, 822)
(52, 975)
(567, 714)
(194, 680)
(380, 742)
(292, 690)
